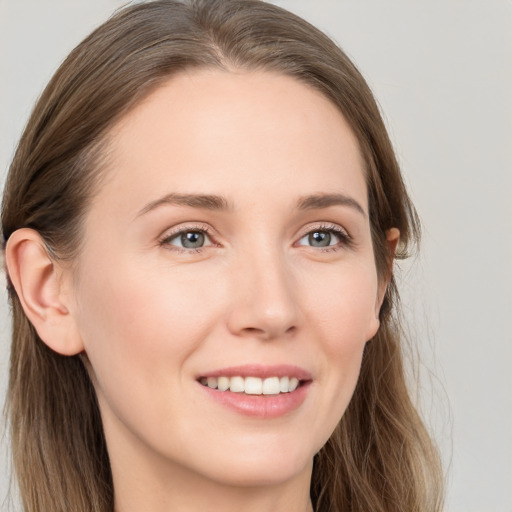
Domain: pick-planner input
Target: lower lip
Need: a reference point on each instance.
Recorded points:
(260, 406)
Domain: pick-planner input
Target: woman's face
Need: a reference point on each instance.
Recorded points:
(230, 240)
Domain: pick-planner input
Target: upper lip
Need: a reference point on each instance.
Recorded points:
(261, 371)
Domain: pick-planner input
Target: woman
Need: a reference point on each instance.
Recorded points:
(200, 223)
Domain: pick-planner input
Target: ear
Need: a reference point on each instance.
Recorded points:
(392, 239)
(42, 286)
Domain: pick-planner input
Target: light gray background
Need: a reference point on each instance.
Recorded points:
(442, 72)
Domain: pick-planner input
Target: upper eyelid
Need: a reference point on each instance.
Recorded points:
(184, 227)
(345, 239)
(171, 233)
(324, 226)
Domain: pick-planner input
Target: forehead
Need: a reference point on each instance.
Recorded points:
(233, 134)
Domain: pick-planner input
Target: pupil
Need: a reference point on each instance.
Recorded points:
(192, 239)
(320, 239)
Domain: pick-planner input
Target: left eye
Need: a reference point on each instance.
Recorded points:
(321, 238)
(190, 239)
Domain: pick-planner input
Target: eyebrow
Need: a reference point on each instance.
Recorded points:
(218, 203)
(319, 201)
(203, 201)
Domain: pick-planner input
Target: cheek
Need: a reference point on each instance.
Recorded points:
(343, 304)
(139, 330)
(119, 335)
(343, 315)
(134, 321)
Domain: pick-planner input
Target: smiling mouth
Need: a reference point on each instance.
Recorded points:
(253, 385)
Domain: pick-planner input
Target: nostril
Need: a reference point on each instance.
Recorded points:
(268, 333)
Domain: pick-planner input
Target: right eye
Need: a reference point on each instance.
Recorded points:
(327, 238)
(187, 239)
(320, 238)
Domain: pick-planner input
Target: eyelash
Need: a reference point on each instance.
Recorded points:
(199, 228)
(346, 240)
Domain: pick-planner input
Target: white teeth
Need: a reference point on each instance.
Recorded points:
(237, 385)
(223, 383)
(271, 386)
(252, 385)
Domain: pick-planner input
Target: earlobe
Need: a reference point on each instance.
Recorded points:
(38, 282)
(392, 239)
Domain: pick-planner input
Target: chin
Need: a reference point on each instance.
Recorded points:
(248, 473)
(259, 464)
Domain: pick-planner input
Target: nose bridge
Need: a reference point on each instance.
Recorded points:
(264, 302)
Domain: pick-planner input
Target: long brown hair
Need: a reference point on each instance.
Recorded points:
(380, 457)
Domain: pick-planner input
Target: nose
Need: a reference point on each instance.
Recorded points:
(264, 304)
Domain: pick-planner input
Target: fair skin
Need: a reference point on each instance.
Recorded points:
(230, 238)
